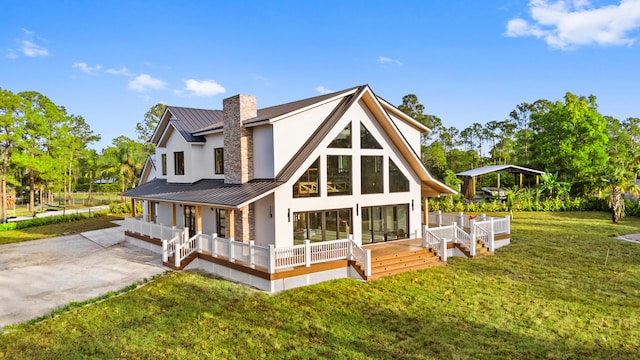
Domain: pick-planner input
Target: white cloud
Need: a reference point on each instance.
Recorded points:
(86, 68)
(570, 24)
(264, 80)
(11, 54)
(122, 71)
(31, 49)
(385, 59)
(203, 87)
(323, 90)
(145, 82)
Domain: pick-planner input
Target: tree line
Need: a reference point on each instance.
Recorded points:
(569, 139)
(45, 150)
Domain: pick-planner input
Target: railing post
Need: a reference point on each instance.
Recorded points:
(199, 242)
(472, 246)
(185, 235)
(472, 226)
(350, 246)
(307, 253)
(251, 253)
(272, 259)
(165, 253)
(424, 236)
(454, 231)
(483, 217)
(491, 238)
(231, 256)
(367, 266)
(214, 244)
(439, 218)
(461, 219)
(176, 254)
(443, 255)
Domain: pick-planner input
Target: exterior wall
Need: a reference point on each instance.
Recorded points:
(263, 152)
(208, 220)
(208, 160)
(264, 221)
(164, 214)
(291, 133)
(410, 133)
(286, 205)
(175, 143)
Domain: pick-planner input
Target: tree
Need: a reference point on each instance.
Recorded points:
(571, 139)
(124, 160)
(145, 128)
(618, 179)
(413, 108)
(11, 109)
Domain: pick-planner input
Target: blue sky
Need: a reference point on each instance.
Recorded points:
(467, 61)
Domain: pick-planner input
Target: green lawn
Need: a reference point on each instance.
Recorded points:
(549, 295)
(52, 230)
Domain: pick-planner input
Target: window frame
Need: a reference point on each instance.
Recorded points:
(218, 161)
(163, 161)
(178, 163)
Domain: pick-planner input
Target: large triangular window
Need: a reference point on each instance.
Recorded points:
(367, 141)
(343, 140)
(397, 181)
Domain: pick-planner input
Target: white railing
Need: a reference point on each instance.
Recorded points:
(154, 231)
(437, 239)
(501, 225)
(484, 235)
(185, 249)
(311, 253)
(468, 240)
(360, 255)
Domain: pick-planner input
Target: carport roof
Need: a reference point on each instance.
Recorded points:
(503, 168)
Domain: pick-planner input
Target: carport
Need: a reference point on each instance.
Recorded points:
(470, 177)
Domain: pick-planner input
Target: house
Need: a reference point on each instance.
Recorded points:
(260, 195)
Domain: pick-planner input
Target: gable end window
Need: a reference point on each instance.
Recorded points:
(371, 175)
(218, 156)
(308, 184)
(343, 140)
(164, 164)
(338, 175)
(397, 181)
(178, 161)
(367, 141)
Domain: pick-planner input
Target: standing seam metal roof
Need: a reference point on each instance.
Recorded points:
(493, 168)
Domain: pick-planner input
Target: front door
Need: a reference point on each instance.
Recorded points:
(190, 219)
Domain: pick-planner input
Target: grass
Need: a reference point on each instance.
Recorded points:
(46, 231)
(549, 295)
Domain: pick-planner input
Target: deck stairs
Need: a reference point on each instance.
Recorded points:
(481, 250)
(391, 264)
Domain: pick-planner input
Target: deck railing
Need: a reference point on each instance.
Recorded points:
(269, 258)
(501, 225)
(437, 239)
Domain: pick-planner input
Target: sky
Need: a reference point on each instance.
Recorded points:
(467, 61)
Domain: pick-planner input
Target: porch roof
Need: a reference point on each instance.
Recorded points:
(208, 192)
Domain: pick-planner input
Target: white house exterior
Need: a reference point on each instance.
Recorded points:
(337, 166)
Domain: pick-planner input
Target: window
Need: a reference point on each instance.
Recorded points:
(164, 164)
(190, 219)
(308, 184)
(371, 175)
(384, 223)
(218, 158)
(367, 141)
(397, 181)
(321, 225)
(343, 140)
(221, 218)
(338, 175)
(178, 161)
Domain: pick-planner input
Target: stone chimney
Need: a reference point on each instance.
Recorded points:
(238, 140)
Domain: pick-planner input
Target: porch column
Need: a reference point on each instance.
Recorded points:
(151, 211)
(231, 218)
(133, 207)
(173, 214)
(425, 214)
(198, 219)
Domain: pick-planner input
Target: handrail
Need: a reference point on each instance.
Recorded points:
(360, 255)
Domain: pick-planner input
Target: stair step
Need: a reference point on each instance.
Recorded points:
(408, 263)
(381, 274)
(408, 257)
(402, 255)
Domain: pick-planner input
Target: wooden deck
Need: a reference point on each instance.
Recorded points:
(393, 247)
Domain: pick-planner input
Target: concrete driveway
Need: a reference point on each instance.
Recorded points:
(37, 277)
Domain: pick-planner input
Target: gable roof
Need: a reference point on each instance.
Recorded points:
(186, 121)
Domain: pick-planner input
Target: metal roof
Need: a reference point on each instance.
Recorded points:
(504, 168)
(212, 192)
(188, 120)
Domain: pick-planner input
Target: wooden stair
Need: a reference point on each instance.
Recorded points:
(387, 265)
(481, 250)
(184, 263)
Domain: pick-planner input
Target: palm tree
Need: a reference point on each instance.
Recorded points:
(617, 181)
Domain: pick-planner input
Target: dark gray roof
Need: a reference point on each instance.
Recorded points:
(208, 192)
(188, 121)
(504, 168)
